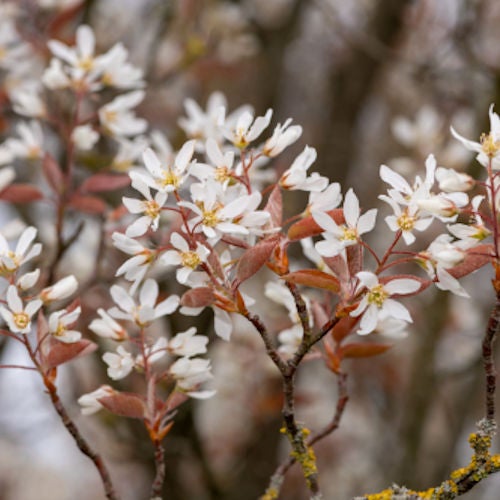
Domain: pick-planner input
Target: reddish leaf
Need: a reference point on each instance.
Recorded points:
(60, 353)
(234, 241)
(274, 206)
(476, 258)
(363, 349)
(313, 278)
(343, 328)
(105, 182)
(354, 254)
(53, 173)
(88, 204)
(424, 283)
(254, 258)
(20, 193)
(124, 404)
(198, 297)
(307, 226)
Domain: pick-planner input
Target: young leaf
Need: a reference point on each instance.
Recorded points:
(313, 278)
(363, 349)
(20, 193)
(198, 297)
(253, 259)
(60, 352)
(476, 258)
(52, 172)
(104, 182)
(274, 206)
(343, 328)
(124, 404)
(87, 204)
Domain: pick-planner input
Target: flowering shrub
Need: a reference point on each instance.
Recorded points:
(211, 213)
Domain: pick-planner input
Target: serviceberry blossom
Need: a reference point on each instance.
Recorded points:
(25, 250)
(190, 374)
(188, 344)
(30, 143)
(26, 101)
(337, 237)
(147, 310)
(283, 136)
(246, 129)
(117, 116)
(449, 180)
(376, 304)
(153, 353)
(470, 234)
(406, 220)
(90, 402)
(150, 208)
(107, 327)
(325, 200)
(165, 177)
(63, 289)
(7, 176)
(135, 268)
(295, 178)
(488, 147)
(213, 216)
(200, 124)
(401, 191)
(119, 364)
(117, 72)
(189, 258)
(16, 315)
(442, 254)
(84, 137)
(60, 323)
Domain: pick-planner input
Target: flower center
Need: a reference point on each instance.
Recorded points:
(489, 145)
(222, 174)
(406, 222)
(210, 218)
(86, 63)
(152, 209)
(349, 234)
(22, 320)
(170, 179)
(190, 259)
(377, 295)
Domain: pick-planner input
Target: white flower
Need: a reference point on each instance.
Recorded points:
(188, 344)
(153, 353)
(323, 201)
(10, 261)
(27, 102)
(60, 321)
(213, 216)
(118, 118)
(150, 208)
(30, 142)
(119, 364)
(189, 258)
(401, 191)
(296, 176)
(338, 237)
(444, 206)
(63, 289)
(441, 255)
(107, 327)
(136, 267)
(450, 180)
(17, 316)
(147, 310)
(117, 72)
(129, 151)
(190, 374)
(282, 137)
(407, 220)
(28, 280)
(246, 129)
(90, 402)
(376, 303)
(168, 177)
(54, 77)
(488, 147)
(84, 137)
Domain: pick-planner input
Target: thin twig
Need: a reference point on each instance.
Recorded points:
(157, 486)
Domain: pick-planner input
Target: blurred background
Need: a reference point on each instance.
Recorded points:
(371, 82)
